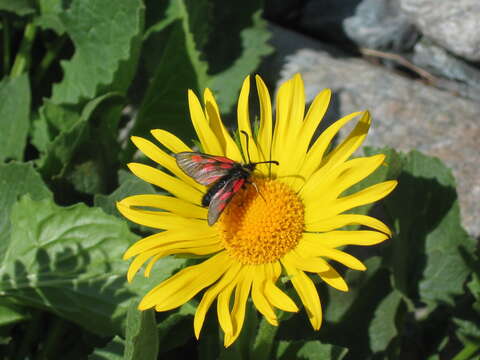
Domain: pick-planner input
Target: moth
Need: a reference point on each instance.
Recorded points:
(224, 176)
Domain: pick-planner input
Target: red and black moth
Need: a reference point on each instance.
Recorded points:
(224, 176)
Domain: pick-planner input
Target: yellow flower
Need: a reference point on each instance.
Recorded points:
(288, 223)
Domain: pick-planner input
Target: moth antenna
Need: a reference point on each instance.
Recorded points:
(258, 191)
(246, 139)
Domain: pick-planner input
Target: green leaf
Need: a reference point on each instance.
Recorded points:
(264, 341)
(104, 36)
(250, 28)
(69, 261)
(11, 313)
(19, 7)
(426, 253)
(129, 185)
(113, 351)
(49, 17)
(11, 189)
(468, 331)
(309, 350)
(165, 104)
(142, 336)
(63, 135)
(14, 116)
(176, 328)
(383, 327)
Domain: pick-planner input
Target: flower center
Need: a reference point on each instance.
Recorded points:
(262, 223)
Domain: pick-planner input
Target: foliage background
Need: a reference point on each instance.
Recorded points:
(78, 78)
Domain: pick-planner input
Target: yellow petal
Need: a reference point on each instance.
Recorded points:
(275, 296)
(315, 114)
(314, 222)
(353, 141)
(340, 178)
(209, 141)
(190, 249)
(265, 131)
(313, 248)
(365, 196)
(310, 264)
(284, 97)
(165, 160)
(307, 292)
(335, 239)
(170, 141)
(242, 291)
(223, 307)
(211, 294)
(333, 278)
(229, 147)
(176, 236)
(295, 109)
(244, 124)
(315, 155)
(167, 203)
(169, 183)
(185, 284)
(137, 263)
(258, 295)
(157, 219)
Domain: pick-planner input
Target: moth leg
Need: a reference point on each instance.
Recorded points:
(258, 191)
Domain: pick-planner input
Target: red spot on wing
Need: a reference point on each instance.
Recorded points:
(237, 185)
(226, 166)
(197, 158)
(223, 159)
(226, 195)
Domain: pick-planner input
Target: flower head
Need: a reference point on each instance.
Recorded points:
(287, 219)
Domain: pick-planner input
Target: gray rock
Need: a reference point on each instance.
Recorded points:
(376, 24)
(324, 18)
(452, 24)
(440, 62)
(380, 24)
(406, 114)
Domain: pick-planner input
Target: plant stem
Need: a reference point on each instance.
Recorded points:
(49, 57)
(263, 345)
(54, 339)
(467, 353)
(22, 59)
(6, 44)
(31, 335)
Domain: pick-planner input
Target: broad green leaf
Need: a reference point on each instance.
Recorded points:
(383, 327)
(49, 17)
(165, 104)
(129, 185)
(309, 350)
(64, 135)
(69, 261)
(103, 36)
(241, 348)
(176, 328)
(19, 7)
(113, 351)
(142, 336)
(11, 313)
(51, 121)
(264, 341)
(358, 306)
(468, 330)
(11, 189)
(14, 116)
(426, 252)
(250, 48)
